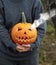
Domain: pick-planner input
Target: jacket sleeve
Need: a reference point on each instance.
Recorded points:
(4, 34)
(38, 8)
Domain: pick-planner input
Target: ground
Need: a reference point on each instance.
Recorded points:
(47, 51)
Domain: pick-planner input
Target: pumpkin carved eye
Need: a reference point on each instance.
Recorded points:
(19, 29)
(30, 29)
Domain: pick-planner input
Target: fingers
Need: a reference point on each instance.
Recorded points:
(25, 50)
(22, 50)
(27, 46)
(20, 47)
(23, 47)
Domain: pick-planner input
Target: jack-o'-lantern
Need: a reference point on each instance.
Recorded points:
(22, 33)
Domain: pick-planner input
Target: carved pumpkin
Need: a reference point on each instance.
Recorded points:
(23, 34)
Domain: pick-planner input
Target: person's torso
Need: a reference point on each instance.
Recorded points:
(13, 12)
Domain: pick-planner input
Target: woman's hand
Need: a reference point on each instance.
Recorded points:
(27, 47)
(23, 48)
(20, 48)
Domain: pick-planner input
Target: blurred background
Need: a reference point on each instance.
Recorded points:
(47, 51)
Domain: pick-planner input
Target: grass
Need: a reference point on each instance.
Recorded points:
(47, 51)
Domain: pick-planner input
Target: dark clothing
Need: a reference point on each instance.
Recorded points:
(10, 14)
(31, 60)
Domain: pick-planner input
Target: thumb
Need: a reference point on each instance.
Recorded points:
(28, 45)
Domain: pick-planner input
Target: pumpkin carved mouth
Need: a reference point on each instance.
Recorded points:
(24, 38)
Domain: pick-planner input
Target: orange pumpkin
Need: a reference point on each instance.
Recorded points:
(23, 34)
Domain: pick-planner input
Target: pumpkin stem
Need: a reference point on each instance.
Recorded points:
(23, 17)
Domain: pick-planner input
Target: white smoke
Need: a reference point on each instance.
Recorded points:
(43, 18)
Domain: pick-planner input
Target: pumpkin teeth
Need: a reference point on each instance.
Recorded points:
(19, 37)
(22, 38)
(26, 38)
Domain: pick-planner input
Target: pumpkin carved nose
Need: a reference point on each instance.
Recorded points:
(24, 32)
